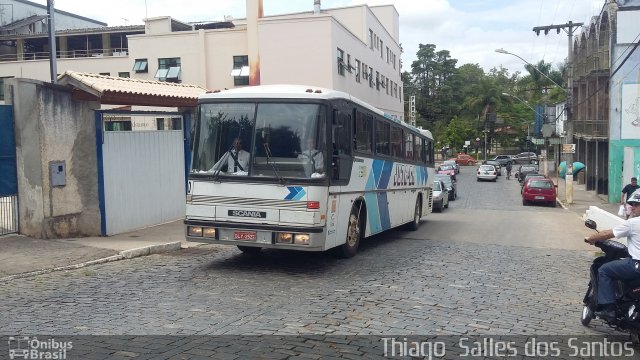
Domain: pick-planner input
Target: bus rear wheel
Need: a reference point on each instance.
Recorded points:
(249, 249)
(417, 214)
(350, 247)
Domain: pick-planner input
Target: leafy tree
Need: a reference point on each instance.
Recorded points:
(458, 131)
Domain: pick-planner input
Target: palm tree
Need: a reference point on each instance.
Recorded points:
(487, 96)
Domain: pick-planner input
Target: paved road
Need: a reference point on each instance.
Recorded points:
(464, 272)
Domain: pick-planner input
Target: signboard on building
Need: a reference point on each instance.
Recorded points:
(568, 148)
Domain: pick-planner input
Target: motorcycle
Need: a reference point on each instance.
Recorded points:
(627, 293)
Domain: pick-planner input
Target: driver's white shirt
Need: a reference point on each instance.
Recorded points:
(631, 230)
(243, 160)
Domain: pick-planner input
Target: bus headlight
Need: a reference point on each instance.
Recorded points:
(209, 232)
(194, 231)
(301, 239)
(284, 238)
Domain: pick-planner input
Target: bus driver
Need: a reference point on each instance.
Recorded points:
(237, 159)
(314, 157)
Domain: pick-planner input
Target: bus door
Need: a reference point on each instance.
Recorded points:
(341, 139)
(339, 206)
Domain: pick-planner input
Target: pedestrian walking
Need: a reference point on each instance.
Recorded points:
(626, 194)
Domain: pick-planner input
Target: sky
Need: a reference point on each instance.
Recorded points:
(469, 29)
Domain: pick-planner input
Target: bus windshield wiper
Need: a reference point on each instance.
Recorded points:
(223, 159)
(226, 155)
(267, 151)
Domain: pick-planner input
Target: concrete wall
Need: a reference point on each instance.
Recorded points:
(51, 127)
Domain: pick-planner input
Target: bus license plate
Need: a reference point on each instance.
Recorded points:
(244, 235)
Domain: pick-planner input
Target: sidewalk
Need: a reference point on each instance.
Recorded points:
(22, 256)
(582, 198)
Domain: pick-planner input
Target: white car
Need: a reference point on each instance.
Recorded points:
(486, 172)
(440, 196)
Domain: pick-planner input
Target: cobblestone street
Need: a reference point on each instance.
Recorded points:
(482, 268)
(442, 288)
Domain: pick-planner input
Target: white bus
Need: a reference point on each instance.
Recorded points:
(320, 170)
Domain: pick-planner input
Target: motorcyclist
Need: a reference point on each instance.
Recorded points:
(508, 167)
(622, 269)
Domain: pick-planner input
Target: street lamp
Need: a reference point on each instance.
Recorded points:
(503, 51)
(522, 101)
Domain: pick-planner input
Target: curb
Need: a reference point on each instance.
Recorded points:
(125, 254)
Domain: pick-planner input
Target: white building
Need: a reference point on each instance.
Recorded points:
(354, 49)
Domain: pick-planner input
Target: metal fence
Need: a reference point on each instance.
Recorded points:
(8, 214)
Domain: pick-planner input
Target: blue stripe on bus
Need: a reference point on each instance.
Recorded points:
(372, 212)
(386, 175)
(371, 182)
(422, 175)
(376, 168)
(383, 207)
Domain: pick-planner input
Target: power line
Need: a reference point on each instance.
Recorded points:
(626, 58)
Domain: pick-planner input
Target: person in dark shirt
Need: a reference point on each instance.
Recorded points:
(627, 191)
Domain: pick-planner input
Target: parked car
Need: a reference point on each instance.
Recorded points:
(440, 196)
(529, 177)
(525, 158)
(450, 184)
(523, 170)
(464, 159)
(495, 164)
(452, 163)
(447, 170)
(486, 172)
(539, 191)
(503, 159)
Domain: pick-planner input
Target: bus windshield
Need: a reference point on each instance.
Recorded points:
(279, 140)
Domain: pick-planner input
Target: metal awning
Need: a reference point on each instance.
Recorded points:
(126, 91)
(22, 22)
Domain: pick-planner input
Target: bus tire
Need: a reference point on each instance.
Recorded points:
(350, 247)
(249, 249)
(417, 215)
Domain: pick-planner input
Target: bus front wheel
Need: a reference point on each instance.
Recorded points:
(350, 247)
(249, 249)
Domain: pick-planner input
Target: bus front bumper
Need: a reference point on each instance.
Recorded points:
(266, 236)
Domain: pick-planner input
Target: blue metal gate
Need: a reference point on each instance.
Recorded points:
(8, 174)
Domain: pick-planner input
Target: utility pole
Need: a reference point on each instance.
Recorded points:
(53, 67)
(569, 29)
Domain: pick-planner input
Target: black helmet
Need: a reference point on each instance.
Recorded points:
(634, 198)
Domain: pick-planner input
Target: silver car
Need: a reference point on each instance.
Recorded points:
(486, 172)
(525, 158)
(440, 196)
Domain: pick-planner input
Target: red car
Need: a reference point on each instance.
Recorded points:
(464, 159)
(539, 190)
(447, 170)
